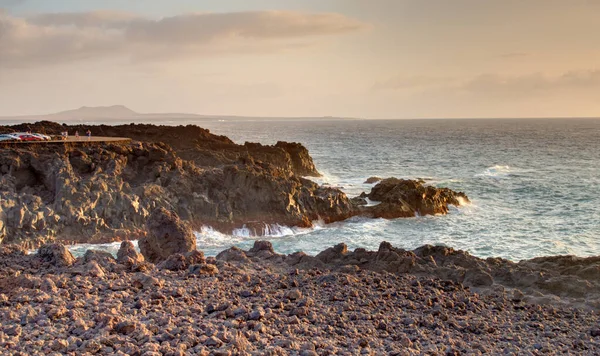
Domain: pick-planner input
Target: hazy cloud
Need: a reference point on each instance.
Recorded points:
(411, 82)
(530, 84)
(514, 55)
(101, 19)
(495, 84)
(50, 38)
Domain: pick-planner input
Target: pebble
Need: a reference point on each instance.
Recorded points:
(268, 307)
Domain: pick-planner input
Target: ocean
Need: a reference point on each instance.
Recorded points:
(533, 183)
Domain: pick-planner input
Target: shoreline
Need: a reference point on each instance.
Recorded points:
(256, 301)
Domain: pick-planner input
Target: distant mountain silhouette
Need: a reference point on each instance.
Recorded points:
(97, 112)
(121, 113)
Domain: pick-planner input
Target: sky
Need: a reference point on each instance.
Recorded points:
(386, 59)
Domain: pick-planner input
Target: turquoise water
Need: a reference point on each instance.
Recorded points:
(533, 183)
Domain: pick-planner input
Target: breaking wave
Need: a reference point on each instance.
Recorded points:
(496, 171)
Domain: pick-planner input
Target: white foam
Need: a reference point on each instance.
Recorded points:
(372, 202)
(496, 171)
(462, 201)
(207, 236)
(112, 248)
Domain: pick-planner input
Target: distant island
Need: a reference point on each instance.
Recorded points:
(121, 113)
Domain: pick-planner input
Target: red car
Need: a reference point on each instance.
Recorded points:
(29, 137)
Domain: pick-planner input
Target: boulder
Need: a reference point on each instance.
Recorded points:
(204, 269)
(262, 249)
(408, 198)
(56, 254)
(128, 255)
(167, 235)
(333, 253)
(372, 180)
(233, 254)
(195, 257)
(175, 262)
(104, 259)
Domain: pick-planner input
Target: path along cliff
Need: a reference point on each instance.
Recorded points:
(102, 192)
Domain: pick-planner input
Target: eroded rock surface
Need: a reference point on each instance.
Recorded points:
(104, 192)
(407, 198)
(167, 235)
(563, 279)
(96, 193)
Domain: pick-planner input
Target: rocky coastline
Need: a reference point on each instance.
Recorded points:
(104, 192)
(432, 300)
(170, 299)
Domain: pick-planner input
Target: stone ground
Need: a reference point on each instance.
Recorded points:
(249, 303)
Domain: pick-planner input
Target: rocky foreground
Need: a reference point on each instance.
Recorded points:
(95, 193)
(258, 302)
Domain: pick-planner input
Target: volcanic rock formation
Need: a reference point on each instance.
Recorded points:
(101, 192)
(167, 235)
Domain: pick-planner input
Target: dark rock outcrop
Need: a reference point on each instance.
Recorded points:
(167, 235)
(56, 254)
(128, 255)
(104, 192)
(302, 163)
(408, 198)
(180, 262)
(372, 180)
(542, 280)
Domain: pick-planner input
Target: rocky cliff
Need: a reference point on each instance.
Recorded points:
(99, 192)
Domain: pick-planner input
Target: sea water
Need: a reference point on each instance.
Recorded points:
(533, 183)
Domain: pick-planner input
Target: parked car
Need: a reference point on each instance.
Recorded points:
(42, 136)
(9, 137)
(24, 136)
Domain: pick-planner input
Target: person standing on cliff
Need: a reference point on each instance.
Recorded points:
(89, 135)
(76, 135)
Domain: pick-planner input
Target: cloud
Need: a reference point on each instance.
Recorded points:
(411, 82)
(52, 38)
(100, 19)
(531, 84)
(495, 84)
(514, 55)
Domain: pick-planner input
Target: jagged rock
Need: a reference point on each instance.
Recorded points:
(302, 163)
(407, 198)
(262, 249)
(167, 235)
(372, 180)
(56, 254)
(180, 262)
(195, 257)
(94, 270)
(103, 259)
(359, 201)
(233, 254)
(204, 269)
(100, 193)
(175, 262)
(333, 253)
(128, 255)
